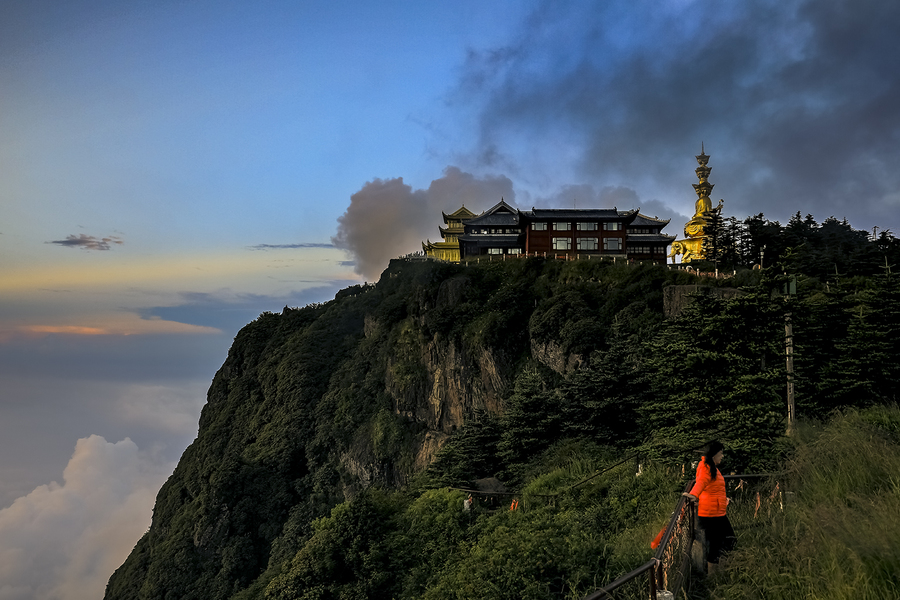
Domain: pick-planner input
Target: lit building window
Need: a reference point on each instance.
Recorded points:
(612, 226)
(515, 251)
(495, 251)
(562, 243)
(562, 227)
(586, 227)
(587, 243)
(539, 227)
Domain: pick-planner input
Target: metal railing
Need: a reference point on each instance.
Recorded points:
(668, 568)
(640, 583)
(667, 574)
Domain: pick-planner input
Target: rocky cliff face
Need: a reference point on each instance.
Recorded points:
(314, 404)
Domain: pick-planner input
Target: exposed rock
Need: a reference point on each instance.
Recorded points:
(429, 444)
(551, 354)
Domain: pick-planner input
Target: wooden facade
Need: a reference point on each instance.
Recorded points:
(503, 229)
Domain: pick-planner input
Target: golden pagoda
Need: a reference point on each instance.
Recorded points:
(696, 231)
(448, 249)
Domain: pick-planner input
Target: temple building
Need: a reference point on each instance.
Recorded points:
(572, 233)
(498, 230)
(645, 240)
(448, 248)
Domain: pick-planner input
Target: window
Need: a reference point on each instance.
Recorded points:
(562, 243)
(586, 227)
(612, 227)
(515, 251)
(586, 243)
(539, 227)
(562, 227)
(612, 244)
(495, 250)
(639, 249)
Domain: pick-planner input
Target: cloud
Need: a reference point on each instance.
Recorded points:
(88, 242)
(229, 312)
(63, 542)
(798, 102)
(113, 357)
(289, 246)
(165, 408)
(387, 218)
(64, 329)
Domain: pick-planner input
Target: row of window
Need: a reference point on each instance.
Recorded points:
(586, 243)
(560, 226)
(556, 227)
(499, 230)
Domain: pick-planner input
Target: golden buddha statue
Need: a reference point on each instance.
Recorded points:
(695, 230)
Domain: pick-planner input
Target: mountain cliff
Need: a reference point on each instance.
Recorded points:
(442, 374)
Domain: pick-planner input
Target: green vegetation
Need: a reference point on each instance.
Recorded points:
(396, 545)
(837, 537)
(308, 478)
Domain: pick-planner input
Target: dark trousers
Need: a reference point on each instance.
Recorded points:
(719, 536)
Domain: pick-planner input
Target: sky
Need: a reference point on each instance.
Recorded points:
(170, 169)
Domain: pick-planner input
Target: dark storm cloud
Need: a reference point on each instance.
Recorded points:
(623, 198)
(88, 242)
(797, 101)
(387, 218)
(289, 246)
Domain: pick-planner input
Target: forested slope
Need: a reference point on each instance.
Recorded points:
(441, 374)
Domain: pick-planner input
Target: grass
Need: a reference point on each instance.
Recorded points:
(838, 536)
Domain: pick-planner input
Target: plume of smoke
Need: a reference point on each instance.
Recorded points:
(387, 218)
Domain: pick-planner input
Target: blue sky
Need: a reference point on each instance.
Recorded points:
(170, 169)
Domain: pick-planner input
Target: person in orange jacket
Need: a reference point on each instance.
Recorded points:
(709, 492)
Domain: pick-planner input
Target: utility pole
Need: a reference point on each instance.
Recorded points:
(789, 358)
(790, 289)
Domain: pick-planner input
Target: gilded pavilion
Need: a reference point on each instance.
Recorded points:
(448, 248)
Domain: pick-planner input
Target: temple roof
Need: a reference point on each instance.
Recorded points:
(461, 213)
(644, 221)
(440, 244)
(610, 214)
(499, 214)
